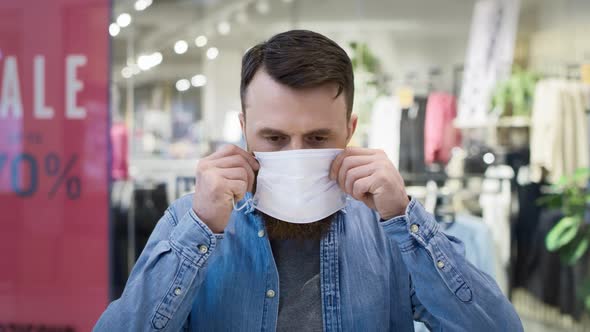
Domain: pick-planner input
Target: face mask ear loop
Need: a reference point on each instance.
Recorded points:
(241, 207)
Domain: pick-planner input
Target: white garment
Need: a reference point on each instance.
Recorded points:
(385, 127)
(495, 201)
(490, 52)
(559, 132)
(295, 185)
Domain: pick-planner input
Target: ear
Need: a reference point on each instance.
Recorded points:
(243, 123)
(351, 127)
(242, 117)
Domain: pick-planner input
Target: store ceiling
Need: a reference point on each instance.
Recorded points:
(163, 23)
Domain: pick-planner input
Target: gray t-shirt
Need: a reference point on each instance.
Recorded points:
(300, 301)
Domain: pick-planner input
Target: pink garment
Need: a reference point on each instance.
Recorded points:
(120, 161)
(440, 135)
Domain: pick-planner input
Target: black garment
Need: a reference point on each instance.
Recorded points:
(526, 233)
(411, 153)
(300, 300)
(550, 280)
(524, 223)
(149, 206)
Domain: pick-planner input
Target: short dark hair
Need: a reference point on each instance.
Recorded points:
(300, 59)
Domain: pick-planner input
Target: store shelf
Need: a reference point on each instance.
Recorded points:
(504, 122)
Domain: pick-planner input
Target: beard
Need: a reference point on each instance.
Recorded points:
(281, 230)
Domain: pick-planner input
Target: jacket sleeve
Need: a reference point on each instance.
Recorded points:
(447, 292)
(159, 293)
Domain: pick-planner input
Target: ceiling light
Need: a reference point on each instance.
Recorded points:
(223, 28)
(126, 72)
(199, 80)
(156, 58)
(142, 4)
(135, 69)
(212, 53)
(124, 20)
(201, 41)
(287, 1)
(143, 61)
(148, 61)
(180, 47)
(183, 85)
(114, 29)
(263, 7)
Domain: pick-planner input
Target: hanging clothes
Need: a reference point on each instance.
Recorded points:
(120, 156)
(478, 240)
(411, 155)
(440, 134)
(148, 204)
(384, 130)
(559, 130)
(496, 200)
(551, 280)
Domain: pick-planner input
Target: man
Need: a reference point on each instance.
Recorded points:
(376, 265)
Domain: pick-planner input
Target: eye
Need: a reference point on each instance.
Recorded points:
(318, 139)
(275, 139)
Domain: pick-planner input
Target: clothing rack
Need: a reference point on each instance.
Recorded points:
(570, 71)
(424, 82)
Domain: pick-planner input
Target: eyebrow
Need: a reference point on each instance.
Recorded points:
(275, 132)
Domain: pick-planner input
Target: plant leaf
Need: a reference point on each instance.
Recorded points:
(562, 233)
(579, 249)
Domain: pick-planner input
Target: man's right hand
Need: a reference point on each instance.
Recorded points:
(222, 178)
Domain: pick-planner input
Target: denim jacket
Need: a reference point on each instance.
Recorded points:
(375, 276)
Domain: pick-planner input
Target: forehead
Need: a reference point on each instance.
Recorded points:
(268, 103)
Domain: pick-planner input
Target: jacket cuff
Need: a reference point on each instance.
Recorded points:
(415, 226)
(193, 239)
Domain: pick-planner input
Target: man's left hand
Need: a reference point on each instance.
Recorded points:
(370, 177)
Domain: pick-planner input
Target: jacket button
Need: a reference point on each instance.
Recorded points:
(177, 291)
(414, 228)
(270, 293)
(440, 264)
(203, 249)
(261, 233)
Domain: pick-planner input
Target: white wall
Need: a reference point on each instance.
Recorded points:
(558, 32)
(222, 92)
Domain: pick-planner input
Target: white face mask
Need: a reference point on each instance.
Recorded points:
(295, 186)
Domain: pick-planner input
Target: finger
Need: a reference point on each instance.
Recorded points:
(230, 150)
(235, 173)
(237, 161)
(355, 174)
(362, 187)
(352, 162)
(237, 188)
(344, 154)
(232, 161)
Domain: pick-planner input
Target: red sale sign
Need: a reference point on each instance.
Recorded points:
(54, 66)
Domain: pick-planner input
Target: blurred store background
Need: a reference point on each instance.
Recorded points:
(484, 106)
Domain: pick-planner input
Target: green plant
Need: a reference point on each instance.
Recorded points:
(570, 237)
(514, 96)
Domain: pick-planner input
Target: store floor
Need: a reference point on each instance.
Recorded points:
(538, 317)
(531, 325)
